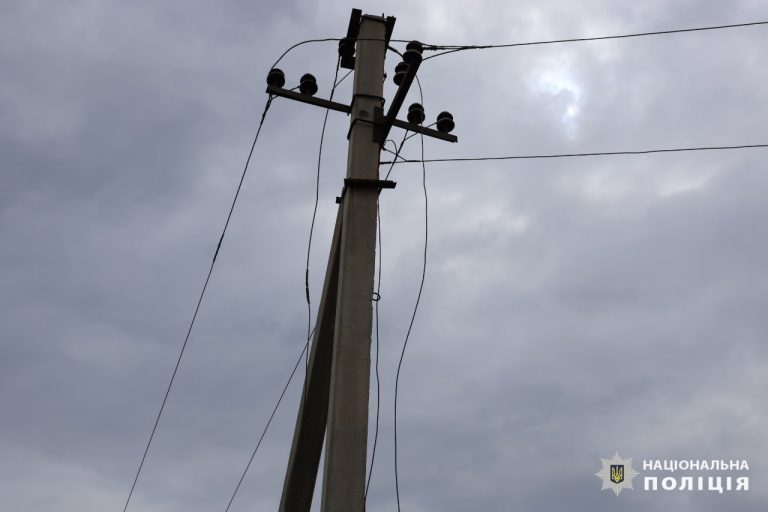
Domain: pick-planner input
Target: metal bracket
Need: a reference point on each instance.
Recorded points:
(354, 27)
(379, 120)
(390, 21)
(378, 115)
(305, 98)
(364, 183)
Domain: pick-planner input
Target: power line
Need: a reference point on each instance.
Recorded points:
(329, 40)
(377, 298)
(418, 297)
(396, 153)
(569, 155)
(344, 77)
(266, 427)
(422, 160)
(197, 307)
(314, 211)
(458, 48)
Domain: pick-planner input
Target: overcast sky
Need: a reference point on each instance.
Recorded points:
(572, 307)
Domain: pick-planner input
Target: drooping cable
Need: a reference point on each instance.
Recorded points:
(377, 298)
(397, 154)
(305, 351)
(418, 299)
(314, 210)
(458, 48)
(197, 307)
(569, 155)
(266, 427)
(415, 134)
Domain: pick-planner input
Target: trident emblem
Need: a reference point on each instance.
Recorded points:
(617, 473)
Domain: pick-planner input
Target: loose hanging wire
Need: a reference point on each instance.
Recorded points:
(266, 427)
(377, 298)
(314, 210)
(418, 298)
(197, 307)
(305, 351)
(449, 49)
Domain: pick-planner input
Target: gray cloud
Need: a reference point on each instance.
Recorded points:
(572, 307)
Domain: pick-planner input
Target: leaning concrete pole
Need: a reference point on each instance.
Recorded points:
(347, 432)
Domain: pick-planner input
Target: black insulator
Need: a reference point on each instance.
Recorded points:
(415, 45)
(308, 85)
(346, 48)
(416, 113)
(412, 56)
(400, 70)
(276, 77)
(445, 122)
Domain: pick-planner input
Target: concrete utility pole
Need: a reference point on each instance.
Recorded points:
(347, 438)
(335, 398)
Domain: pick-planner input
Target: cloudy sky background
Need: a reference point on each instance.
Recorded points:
(572, 307)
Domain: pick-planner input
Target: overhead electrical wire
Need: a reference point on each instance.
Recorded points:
(328, 40)
(266, 427)
(314, 210)
(396, 153)
(344, 77)
(377, 298)
(396, 156)
(459, 48)
(305, 351)
(197, 307)
(415, 134)
(423, 161)
(572, 155)
(418, 297)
